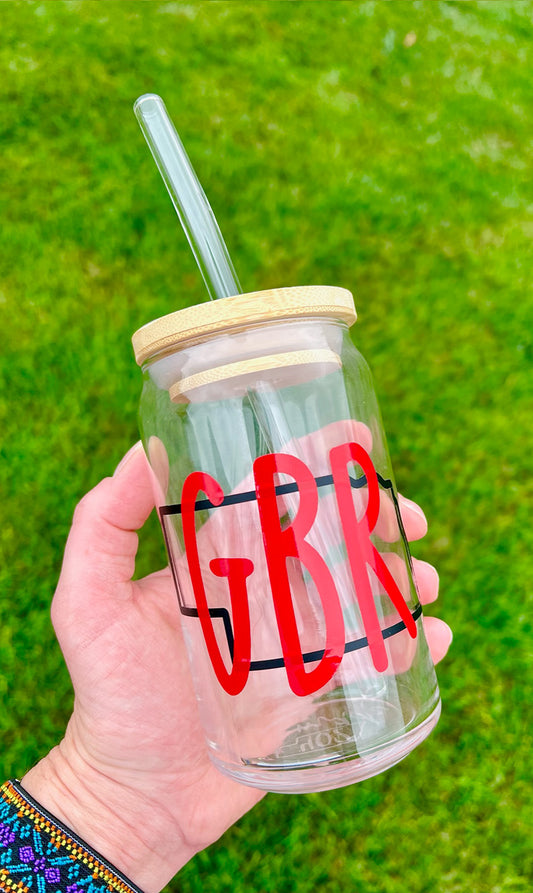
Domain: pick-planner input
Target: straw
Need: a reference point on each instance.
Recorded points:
(188, 197)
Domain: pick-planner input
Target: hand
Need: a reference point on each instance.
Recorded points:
(132, 776)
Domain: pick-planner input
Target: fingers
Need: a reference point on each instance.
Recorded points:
(438, 634)
(427, 581)
(314, 450)
(439, 637)
(413, 519)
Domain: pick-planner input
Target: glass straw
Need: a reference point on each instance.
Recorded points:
(188, 197)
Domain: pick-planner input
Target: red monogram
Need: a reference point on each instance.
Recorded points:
(235, 569)
(281, 542)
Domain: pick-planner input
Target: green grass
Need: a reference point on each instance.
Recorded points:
(334, 150)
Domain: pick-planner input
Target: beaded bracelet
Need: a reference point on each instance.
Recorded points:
(38, 853)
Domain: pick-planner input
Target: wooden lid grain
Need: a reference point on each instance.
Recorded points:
(193, 324)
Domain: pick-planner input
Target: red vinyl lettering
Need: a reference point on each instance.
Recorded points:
(281, 544)
(361, 551)
(235, 569)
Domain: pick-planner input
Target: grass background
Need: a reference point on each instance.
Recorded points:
(382, 146)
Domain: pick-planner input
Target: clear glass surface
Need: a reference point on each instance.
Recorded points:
(293, 575)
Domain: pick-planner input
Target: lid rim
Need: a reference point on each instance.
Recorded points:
(193, 324)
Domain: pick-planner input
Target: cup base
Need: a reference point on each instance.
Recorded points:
(329, 773)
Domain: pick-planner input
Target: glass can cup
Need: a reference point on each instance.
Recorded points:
(280, 516)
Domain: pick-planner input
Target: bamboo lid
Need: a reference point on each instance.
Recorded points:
(193, 324)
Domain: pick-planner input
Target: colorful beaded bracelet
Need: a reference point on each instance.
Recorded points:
(37, 853)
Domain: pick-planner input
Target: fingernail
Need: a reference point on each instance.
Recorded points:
(413, 506)
(125, 459)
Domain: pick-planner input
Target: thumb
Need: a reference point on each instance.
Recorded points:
(99, 559)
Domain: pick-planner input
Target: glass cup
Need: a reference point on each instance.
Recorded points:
(280, 515)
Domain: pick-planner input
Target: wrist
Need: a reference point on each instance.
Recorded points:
(123, 826)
